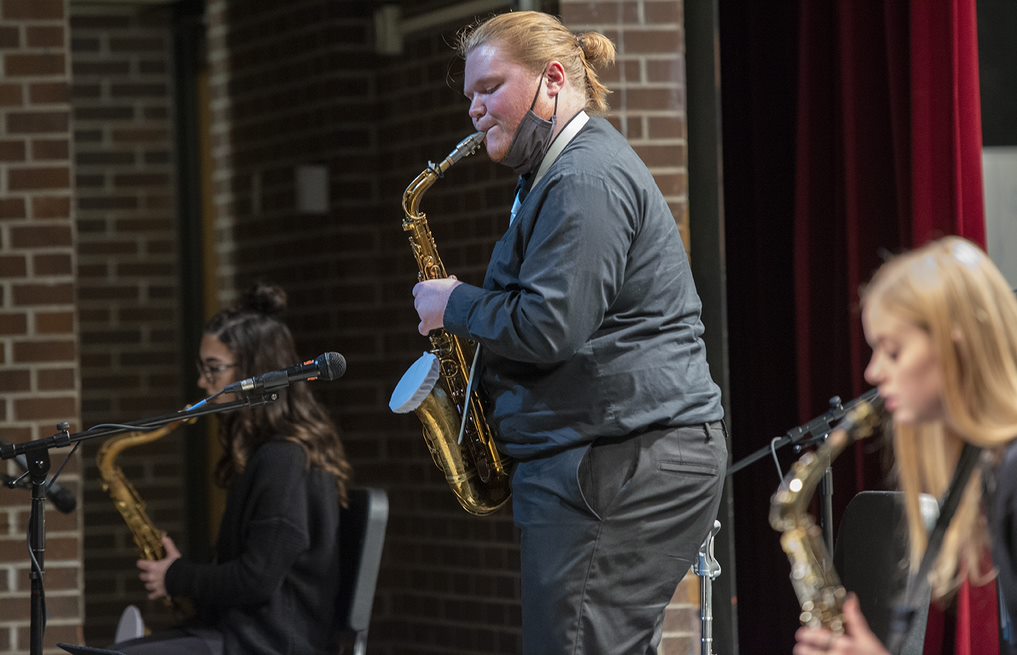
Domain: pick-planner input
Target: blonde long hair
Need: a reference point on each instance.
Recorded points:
(533, 38)
(950, 289)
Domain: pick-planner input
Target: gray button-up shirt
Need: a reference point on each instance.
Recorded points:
(589, 319)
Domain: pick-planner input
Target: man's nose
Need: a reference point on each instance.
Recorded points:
(476, 109)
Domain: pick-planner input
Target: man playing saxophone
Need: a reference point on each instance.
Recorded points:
(272, 587)
(589, 330)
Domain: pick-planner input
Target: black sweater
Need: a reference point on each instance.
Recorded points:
(1003, 527)
(273, 585)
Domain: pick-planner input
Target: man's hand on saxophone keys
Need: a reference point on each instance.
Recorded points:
(153, 573)
(429, 299)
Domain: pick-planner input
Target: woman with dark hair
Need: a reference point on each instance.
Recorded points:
(272, 586)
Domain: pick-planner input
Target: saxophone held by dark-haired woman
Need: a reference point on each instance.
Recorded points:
(127, 501)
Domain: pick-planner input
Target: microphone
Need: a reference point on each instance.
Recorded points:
(327, 366)
(61, 497)
(823, 424)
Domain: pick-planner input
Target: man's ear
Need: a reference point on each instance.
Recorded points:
(556, 77)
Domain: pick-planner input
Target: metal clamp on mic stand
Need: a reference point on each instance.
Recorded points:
(37, 456)
(811, 433)
(707, 567)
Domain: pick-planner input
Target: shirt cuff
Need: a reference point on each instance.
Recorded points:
(457, 310)
(175, 576)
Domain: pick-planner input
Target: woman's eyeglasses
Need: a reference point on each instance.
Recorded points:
(212, 371)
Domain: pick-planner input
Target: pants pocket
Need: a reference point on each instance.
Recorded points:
(690, 468)
(605, 470)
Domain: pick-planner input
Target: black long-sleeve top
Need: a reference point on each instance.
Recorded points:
(273, 585)
(1003, 527)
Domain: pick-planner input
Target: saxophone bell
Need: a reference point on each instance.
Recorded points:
(479, 489)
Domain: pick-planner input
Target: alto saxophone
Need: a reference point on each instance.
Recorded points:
(815, 581)
(474, 469)
(128, 503)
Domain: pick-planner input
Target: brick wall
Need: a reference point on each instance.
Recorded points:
(449, 581)
(128, 284)
(38, 342)
(648, 84)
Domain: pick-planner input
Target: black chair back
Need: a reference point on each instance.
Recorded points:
(870, 554)
(362, 538)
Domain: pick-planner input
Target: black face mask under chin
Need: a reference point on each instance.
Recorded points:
(532, 139)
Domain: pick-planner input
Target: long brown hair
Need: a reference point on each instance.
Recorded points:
(255, 334)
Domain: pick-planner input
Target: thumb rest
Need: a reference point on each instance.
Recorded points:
(815, 581)
(127, 501)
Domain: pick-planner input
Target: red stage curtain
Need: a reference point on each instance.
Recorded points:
(888, 156)
(946, 121)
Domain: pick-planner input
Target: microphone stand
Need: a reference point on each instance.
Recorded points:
(813, 432)
(37, 455)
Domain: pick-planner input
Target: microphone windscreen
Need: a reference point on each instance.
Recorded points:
(332, 366)
(63, 499)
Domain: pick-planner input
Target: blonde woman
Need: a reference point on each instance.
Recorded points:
(942, 324)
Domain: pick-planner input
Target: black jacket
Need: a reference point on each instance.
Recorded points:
(273, 585)
(1003, 527)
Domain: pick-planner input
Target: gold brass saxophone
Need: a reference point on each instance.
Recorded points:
(147, 537)
(474, 469)
(815, 581)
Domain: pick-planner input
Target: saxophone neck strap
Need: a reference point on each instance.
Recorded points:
(918, 586)
(564, 137)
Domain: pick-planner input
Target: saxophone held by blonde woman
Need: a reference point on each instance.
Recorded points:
(815, 581)
(452, 412)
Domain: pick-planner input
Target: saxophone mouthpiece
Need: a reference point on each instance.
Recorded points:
(471, 142)
(464, 148)
(467, 146)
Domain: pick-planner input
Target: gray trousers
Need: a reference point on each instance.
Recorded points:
(607, 533)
